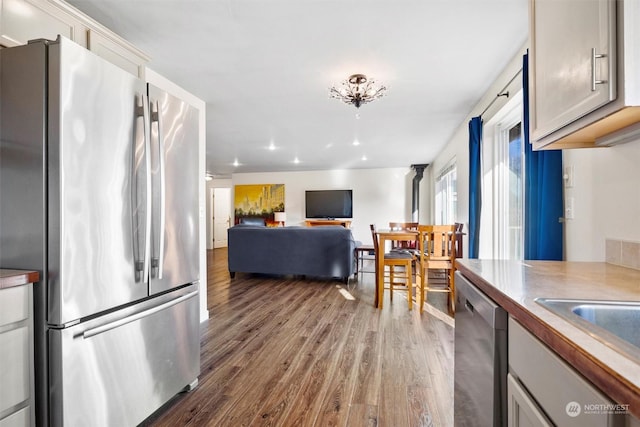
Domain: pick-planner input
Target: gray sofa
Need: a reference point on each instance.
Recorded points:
(326, 251)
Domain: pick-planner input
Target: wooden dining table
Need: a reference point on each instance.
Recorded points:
(385, 235)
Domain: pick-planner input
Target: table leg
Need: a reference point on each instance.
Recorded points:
(380, 273)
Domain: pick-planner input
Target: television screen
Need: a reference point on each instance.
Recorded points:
(329, 204)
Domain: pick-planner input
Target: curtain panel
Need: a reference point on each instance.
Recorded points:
(544, 208)
(475, 183)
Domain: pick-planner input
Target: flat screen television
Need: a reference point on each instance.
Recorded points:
(329, 204)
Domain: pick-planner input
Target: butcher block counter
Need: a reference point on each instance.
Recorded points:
(16, 347)
(515, 285)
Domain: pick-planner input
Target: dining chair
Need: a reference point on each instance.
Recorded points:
(437, 250)
(393, 260)
(359, 254)
(401, 226)
(459, 233)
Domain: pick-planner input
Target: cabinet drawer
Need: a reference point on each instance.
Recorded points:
(18, 419)
(14, 367)
(14, 304)
(564, 395)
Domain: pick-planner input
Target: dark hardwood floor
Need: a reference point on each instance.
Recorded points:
(292, 352)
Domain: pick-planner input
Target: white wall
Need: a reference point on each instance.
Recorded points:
(379, 195)
(167, 85)
(606, 195)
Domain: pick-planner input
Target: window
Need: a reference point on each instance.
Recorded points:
(502, 217)
(446, 195)
(516, 191)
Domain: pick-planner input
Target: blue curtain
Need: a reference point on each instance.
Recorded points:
(543, 232)
(475, 181)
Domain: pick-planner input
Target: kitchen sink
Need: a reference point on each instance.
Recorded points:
(615, 323)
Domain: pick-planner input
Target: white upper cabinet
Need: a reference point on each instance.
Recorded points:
(113, 51)
(24, 20)
(583, 63)
(21, 21)
(574, 49)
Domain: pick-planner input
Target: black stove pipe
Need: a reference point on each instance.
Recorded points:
(415, 191)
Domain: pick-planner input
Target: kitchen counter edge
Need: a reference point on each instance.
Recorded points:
(10, 278)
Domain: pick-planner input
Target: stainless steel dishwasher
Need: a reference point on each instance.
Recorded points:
(480, 383)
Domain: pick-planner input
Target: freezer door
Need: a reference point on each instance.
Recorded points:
(174, 166)
(98, 185)
(117, 369)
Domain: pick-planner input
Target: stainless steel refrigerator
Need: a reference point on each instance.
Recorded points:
(98, 191)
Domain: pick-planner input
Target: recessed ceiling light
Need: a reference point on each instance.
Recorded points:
(296, 160)
(271, 146)
(364, 158)
(236, 163)
(356, 142)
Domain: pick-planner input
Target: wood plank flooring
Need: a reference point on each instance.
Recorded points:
(283, 351)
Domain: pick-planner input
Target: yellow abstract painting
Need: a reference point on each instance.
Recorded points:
(258, 200)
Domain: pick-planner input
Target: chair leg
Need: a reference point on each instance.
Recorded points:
(391, 278)
(452, 292)
(422, 286)
(409, 285)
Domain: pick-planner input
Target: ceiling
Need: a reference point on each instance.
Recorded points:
(264, 68)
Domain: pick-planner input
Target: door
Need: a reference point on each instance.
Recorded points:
(116, 369)
(221, 216)
(174, 172)
(577, 75)
(522, 410)
(97, 182)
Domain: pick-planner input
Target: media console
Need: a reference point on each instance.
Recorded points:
(317, 222)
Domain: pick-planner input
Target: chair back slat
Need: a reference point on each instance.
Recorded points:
(374, 236)
(437, 251)
(437, 242)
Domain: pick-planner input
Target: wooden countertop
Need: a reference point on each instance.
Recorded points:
(10, 278)
(515, 285)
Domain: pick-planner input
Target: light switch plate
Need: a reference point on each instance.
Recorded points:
(567, 176)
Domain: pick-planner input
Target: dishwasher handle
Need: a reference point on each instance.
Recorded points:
(480, 304)
(468, 305)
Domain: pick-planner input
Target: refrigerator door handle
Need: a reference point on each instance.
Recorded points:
(146, 313)
(157, 260)
(141, 159)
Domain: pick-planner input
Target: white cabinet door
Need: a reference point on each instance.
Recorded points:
(24, 20)
(116, 53)
(522, 410)
(573, 60)
(21, 21)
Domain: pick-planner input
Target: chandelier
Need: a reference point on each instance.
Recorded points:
(358, 89)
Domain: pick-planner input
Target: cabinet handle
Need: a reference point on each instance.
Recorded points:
(595, 56)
